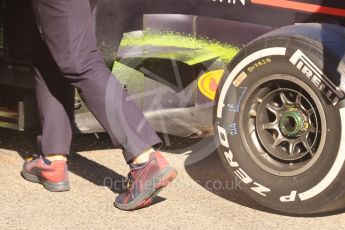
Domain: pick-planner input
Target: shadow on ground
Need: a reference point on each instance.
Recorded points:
(209, 172)
(25, 145)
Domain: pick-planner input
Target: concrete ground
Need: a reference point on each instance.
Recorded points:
(202, 196)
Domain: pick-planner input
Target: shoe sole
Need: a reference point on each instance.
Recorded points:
(145, 199)
(52, 187)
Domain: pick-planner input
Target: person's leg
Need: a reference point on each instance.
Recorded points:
(55, 99)
(67, 29)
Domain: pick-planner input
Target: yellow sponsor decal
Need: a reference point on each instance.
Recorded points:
(239, 79)
(208, 83)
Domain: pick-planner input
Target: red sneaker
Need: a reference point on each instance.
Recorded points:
(53, 175)
(145, 182)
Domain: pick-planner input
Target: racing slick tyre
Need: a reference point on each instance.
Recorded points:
(280, 119)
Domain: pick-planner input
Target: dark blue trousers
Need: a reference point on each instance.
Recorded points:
(66, 56)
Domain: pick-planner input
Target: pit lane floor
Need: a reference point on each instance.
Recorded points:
(202, 196)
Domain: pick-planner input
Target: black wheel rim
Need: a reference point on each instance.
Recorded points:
(283, 125)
